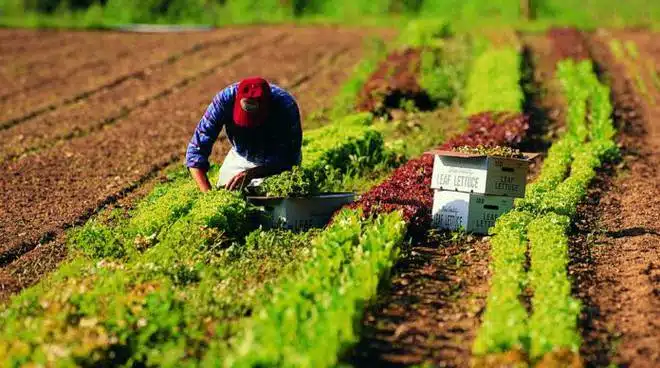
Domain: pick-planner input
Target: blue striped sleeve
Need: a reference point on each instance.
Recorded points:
(208, 129)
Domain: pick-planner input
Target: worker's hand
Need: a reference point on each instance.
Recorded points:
(240, 180)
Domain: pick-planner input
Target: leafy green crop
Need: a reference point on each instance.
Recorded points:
(349, 146)
(504, 323)
(159, 308)
(98, 240)
(297, 182)
(553, 324)
(444, 70)
(160, 209)
(160, 277)
(543, 217)
(308, 320)
(424, 33)
(495, 151)
(345, 101)
(494, 82)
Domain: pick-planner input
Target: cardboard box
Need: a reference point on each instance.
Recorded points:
(301, 214)
(476, 213)
(480, 174)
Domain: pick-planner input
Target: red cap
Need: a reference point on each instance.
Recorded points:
(252, 102)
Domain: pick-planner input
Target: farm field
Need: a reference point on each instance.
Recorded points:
(110, 256)
(84, 137)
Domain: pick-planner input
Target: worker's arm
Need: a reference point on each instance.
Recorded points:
(201, 179)
(205, 135)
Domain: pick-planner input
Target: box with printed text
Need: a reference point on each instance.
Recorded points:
(475, 213)
(473, 173)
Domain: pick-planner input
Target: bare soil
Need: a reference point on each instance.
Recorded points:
(77, 56)
(65, 87)
(616, 258)
(431, 311)
(21, 46)
(568, 43)
(64, 183)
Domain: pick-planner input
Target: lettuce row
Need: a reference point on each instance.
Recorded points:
(88, 310)
(169, 253)
(494, 82)
(142, 228)
(349, 146)
(310, 317)
(504, 323)
(553, 323)
(541, 221)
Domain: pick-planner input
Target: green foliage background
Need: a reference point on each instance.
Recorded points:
(89, 13)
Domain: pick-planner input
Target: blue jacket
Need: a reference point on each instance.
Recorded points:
(277, 142)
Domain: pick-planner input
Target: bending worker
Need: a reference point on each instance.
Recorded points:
(262, 123)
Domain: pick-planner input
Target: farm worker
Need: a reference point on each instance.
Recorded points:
(262, 123)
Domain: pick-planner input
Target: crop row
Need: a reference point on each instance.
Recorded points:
(416, 34)
(308, 320)
(494, 86)
(88, 310)
(347, 147)
(540, 222)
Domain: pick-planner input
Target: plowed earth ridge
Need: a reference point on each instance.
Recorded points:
(27, 104)
(46, 72)
(20, 45)
(616, 257)
(54, 188)
(110, 104)
(72, 52)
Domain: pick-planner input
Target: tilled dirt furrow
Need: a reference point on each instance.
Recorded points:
(19, 36)
(50, 190)
(91, 54)
(15, 42)
(431, 312)
(56, 49)
(20, 70)
(111, 104)
(46, 50)
(616, 253)
(88, 55)
(544, 102)
(27, 104)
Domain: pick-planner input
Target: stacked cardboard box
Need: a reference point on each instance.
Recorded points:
(472, 191)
